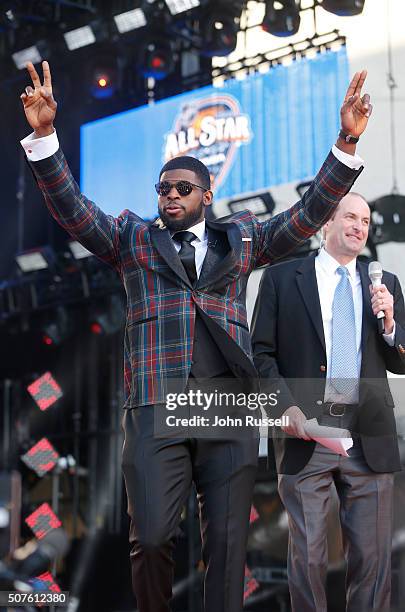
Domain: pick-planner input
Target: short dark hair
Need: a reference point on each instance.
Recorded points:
(186, 162)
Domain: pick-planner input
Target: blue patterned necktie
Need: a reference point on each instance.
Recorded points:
(343, 370)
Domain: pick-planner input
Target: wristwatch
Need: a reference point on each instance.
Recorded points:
(348, 137)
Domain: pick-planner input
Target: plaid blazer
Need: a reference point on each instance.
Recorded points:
(161, 303)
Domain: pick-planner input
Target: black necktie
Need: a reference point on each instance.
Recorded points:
(187, 253)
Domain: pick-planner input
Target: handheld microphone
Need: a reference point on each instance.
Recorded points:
(375, 275)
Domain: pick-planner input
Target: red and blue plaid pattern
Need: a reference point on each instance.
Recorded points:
(160, 306)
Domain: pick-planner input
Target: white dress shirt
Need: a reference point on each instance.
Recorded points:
(200, 244)
(327, 279)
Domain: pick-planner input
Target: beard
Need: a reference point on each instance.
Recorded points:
(190, 218)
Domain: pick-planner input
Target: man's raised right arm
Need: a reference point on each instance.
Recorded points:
(80, 217)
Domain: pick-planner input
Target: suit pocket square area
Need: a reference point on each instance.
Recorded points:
(246, 240)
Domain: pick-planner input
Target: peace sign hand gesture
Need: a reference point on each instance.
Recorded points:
(39, 105)
(356, 110)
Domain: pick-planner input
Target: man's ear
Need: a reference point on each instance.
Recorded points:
(326, 227)
(208, 198)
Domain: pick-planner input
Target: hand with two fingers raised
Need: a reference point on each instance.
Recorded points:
(39, 104)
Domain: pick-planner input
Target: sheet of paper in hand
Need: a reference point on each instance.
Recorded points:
(336, 439)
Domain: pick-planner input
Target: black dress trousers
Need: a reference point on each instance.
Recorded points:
(158, 473)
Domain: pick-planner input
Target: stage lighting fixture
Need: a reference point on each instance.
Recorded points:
(156, 59)
(103, 74)
(261, 204)
(45, 391)
(108, 321)
(57, 328)
(180, 6)
(220, 29)
(130, 20)
(104, 83)
(49, 582)
(343, 8)
(80, 37)
(42, 521)
(29, 262)
(78, 250)
(96, 328)
(42, 457)
(35, 259)
(282, 18)
(250, 584)
(9, 19)
(254, 515)
(388, 219)
(30, 54)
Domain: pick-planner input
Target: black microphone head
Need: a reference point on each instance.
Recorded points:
(375, 271)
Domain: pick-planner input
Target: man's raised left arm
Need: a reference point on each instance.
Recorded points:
(286, 231)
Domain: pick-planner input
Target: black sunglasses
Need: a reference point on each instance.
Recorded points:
(184, 188)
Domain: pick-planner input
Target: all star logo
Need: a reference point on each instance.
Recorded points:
(210, 129)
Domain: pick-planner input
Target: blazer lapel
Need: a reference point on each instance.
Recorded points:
(308, 286)
(224, 249)
(223, 253)
(163, 243)
(368, 320)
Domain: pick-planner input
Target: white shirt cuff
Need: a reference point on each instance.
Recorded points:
(353, 161)
(390, 338)
(40, 148)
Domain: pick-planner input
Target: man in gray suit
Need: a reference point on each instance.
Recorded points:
(315, 332)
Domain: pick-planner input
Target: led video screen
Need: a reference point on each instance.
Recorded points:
(267, 129)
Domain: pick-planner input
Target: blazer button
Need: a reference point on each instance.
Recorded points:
(322, 368)
(319, 402)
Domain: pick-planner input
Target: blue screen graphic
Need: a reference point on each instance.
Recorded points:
(265, 130)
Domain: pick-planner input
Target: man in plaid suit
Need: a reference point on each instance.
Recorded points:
(185, 280)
